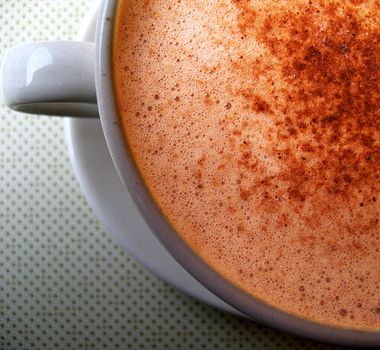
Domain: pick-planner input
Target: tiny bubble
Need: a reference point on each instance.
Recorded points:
(343, 312)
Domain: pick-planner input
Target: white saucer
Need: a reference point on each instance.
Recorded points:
(112, 203)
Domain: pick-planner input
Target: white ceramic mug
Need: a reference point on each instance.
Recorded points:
(75, 79)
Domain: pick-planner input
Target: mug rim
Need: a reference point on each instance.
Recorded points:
(254, 308)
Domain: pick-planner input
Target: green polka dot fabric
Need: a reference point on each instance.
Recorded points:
(64, 283)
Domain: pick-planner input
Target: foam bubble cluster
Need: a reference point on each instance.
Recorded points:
(259, 137)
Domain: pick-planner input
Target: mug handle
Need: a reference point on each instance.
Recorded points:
(51, 78)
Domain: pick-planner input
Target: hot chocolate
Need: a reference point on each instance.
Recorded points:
(256, 127)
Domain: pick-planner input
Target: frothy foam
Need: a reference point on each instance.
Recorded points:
(256, 126)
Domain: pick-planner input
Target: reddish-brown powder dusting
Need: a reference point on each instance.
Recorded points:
(256, 127)
(327, 111)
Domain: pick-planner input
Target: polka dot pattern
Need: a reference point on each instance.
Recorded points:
(64, 283)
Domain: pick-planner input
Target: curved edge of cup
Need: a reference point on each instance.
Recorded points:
(237, 298)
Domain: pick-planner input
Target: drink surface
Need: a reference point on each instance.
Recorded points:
(256, 127)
